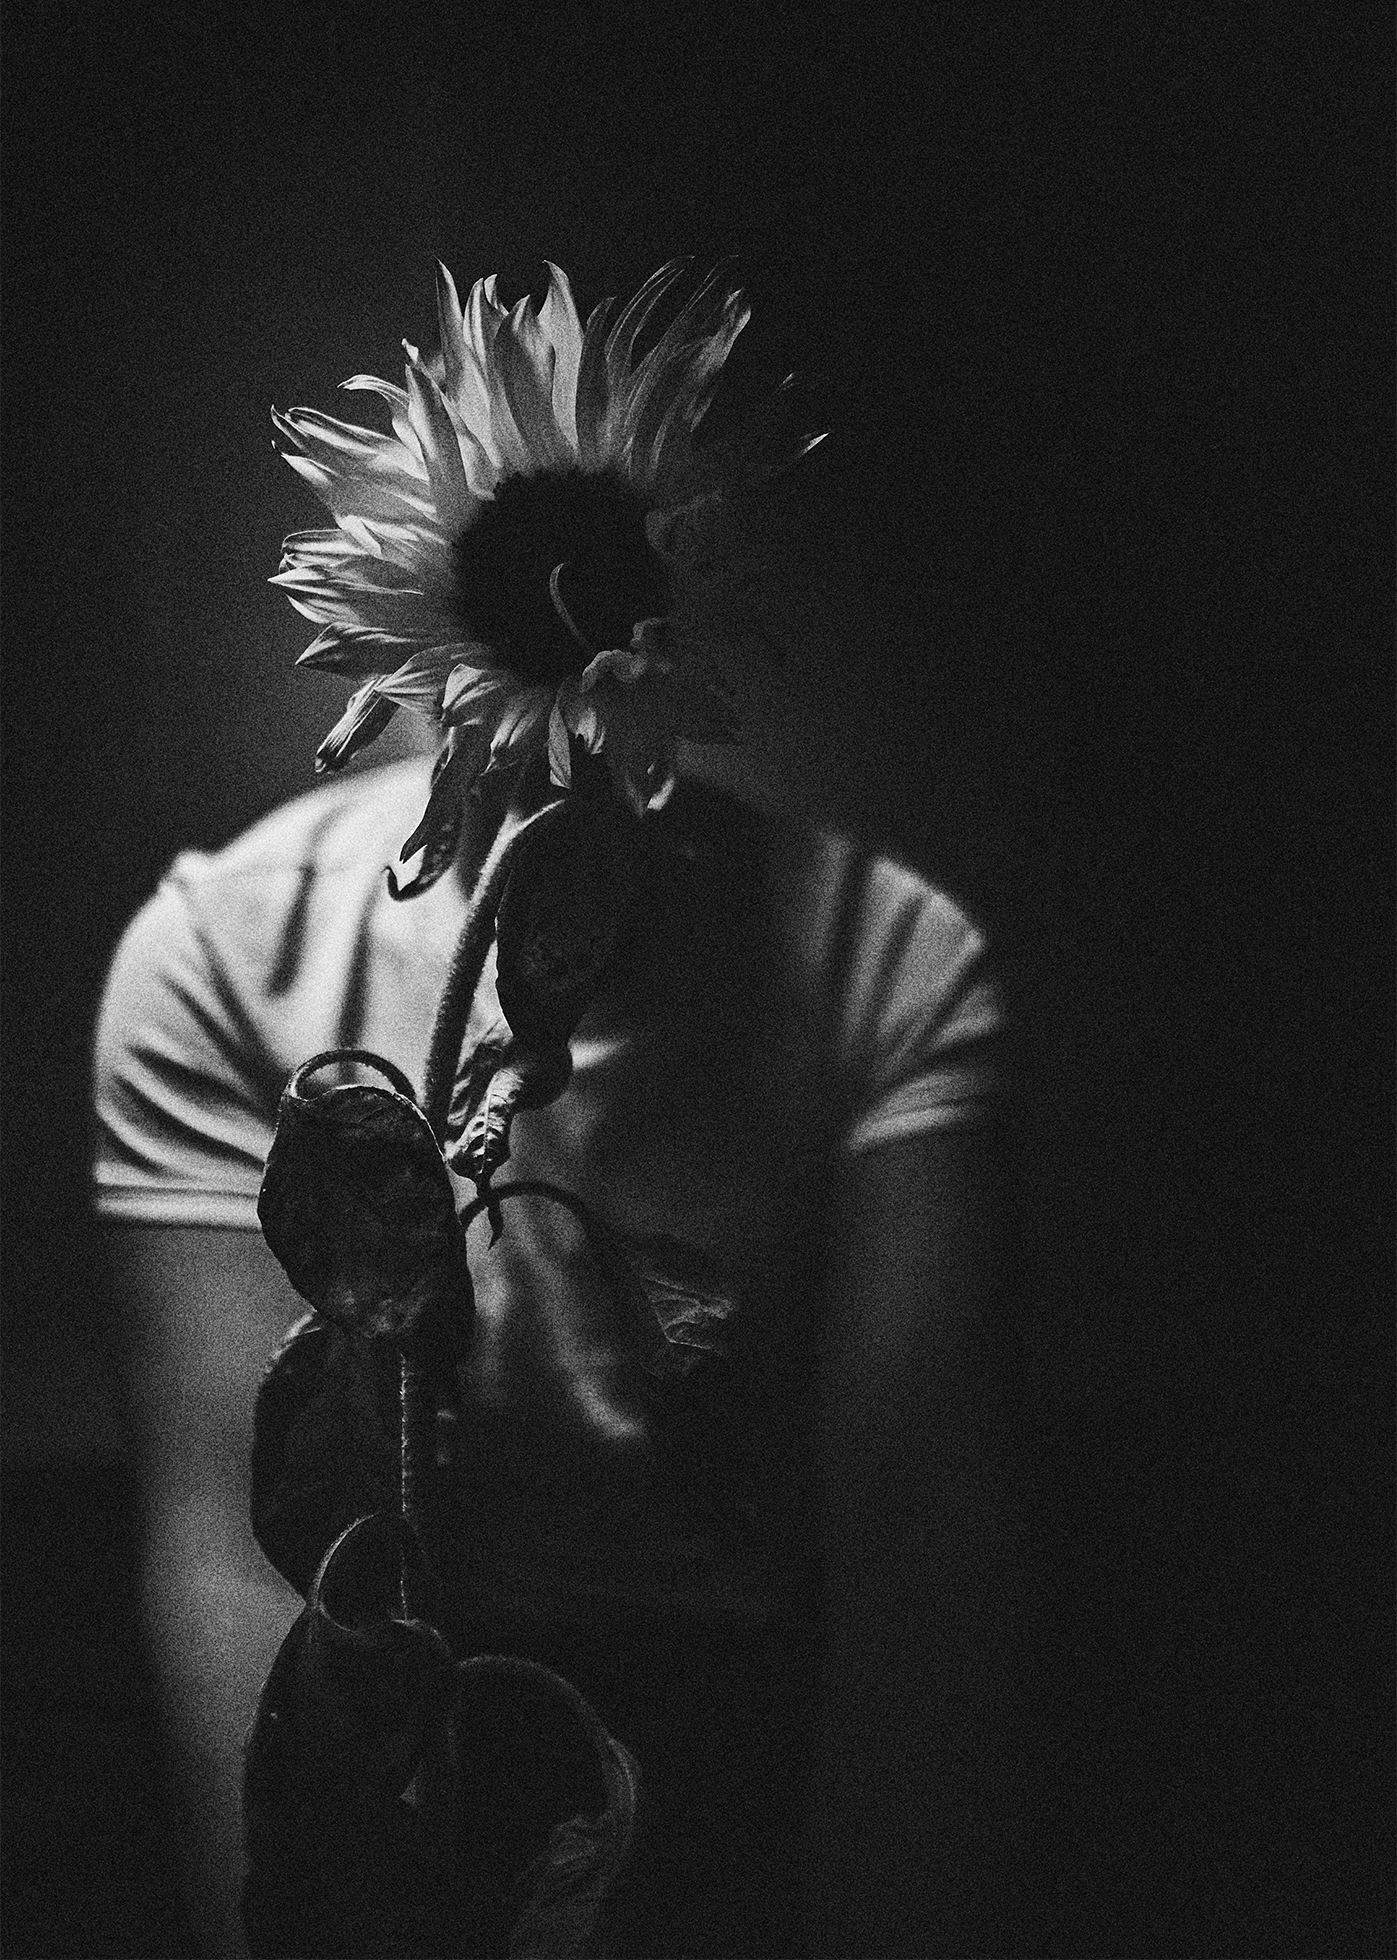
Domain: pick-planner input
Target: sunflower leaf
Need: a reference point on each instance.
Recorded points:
(438, 832)
(675, 1297)
(335, 1862)
(474, 1077)
(546, 1800)
(561, 919)
(356, 1204)
(525, 1078)
(324, 1444)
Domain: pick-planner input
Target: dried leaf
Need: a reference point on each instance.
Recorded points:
(524, 1816)
(335, 1863)
(561, 919)
(357, 1204)
(525, 1078)
(675, 1297)
(474, 1077)
(325, 1444)
(546, 1809)
(438, 833)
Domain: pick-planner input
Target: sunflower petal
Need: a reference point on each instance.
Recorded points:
(441, 451)
(644, 774)
(562, 328)
(526, 361)
(578, 710)
(485, 320)
(337, 443)
(419, 682)
(361, 496)
(559, 746)
(464, 390)
(693, 379)
(353, 651)
(418, 550)
(372, 385)
(451, 323)
(353, 573)
(366, 716)
(765, 446)
(475, 695)
(391, 610)
(592, 394)
(633, 317)
(661, 377)
(397, 399)
(520, 728)
(438, 831)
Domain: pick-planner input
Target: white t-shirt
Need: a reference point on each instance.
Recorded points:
(791, 998)
(286, 942)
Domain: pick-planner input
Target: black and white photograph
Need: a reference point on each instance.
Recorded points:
(697, 979)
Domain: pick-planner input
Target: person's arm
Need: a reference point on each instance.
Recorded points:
(913, 1780)
(204, 1310)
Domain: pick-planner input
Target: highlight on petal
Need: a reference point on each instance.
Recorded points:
(475, 696)
(674, 384)
(450, 320)
(344, 493)
(500, 612)
(521, 729)
(563, 330)
(485, 318)
(438, 831)
(526, 360)
(559, 745)
(353, 650)
(419, 682)
(634, 315)
(592, 394)
(441, 451)
(625, 664)
(692, 380)
(363, 721)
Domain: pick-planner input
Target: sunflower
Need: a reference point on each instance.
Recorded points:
(507, 559)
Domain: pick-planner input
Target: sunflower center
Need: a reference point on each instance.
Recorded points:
(594, 526)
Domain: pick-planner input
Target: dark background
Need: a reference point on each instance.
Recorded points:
(1086, 608)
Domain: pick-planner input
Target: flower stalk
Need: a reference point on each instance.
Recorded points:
(467, 965)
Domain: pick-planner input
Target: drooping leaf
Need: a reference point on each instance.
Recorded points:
(681, 1312)
(561, 919)
(357, 1204)
(335, 1863)
(474, 1076)
(675, 1297)
(438, 833)
(325, 1444)
(525, 1078)
(366, 1685)
(546, 1809)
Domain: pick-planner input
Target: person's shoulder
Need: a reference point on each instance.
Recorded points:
(238, 965)
(893, 970)
(335, 828)
(246, 926)
(325, 849)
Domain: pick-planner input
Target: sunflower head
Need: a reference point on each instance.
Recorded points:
(506, 558)
(558, 564)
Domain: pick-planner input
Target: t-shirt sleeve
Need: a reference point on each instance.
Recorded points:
(183, 1117)
(918, 1014)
